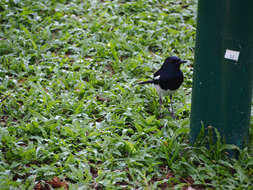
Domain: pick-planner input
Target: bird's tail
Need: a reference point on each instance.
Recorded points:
(146, 82)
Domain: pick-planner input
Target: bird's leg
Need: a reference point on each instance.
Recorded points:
(160, 101)
(171, 105)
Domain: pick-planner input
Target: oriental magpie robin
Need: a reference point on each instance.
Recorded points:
(168, 79)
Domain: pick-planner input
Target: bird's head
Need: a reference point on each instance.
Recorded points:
(174, 60)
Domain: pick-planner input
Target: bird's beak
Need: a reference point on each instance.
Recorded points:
(182, 61)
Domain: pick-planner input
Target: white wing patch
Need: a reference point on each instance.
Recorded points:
(157, 77)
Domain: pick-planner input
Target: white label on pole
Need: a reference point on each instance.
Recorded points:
(231, 54)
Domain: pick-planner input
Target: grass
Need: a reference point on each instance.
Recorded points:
(70, 107)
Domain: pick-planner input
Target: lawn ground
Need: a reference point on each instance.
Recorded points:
(70, 109)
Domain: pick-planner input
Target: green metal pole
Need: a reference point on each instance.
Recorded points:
(223, 69)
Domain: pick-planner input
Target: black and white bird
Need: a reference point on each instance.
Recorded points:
(168, 79)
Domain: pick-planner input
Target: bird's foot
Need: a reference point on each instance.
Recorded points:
(160, 101)
(160, 116)
(173, 116)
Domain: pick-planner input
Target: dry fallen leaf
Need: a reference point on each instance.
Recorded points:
(39, 186)
(55, 182)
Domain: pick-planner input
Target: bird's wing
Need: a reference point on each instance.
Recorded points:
(157, 73)
(147, 82)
